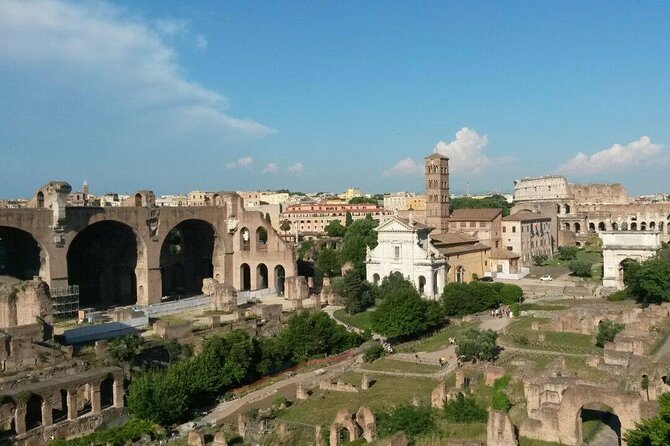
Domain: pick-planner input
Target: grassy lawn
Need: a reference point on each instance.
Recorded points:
(553, 340)
(523, 441)
(392, 365)
(360, 320)
(436, 341)
(542, 307)
(322, 406)
(460, 431)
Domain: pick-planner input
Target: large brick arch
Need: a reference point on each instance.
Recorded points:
(626, 407)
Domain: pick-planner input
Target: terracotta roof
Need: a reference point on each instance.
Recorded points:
(452, 238)
(526, 216)
(484, 214)
(497, 253)
(462, 249)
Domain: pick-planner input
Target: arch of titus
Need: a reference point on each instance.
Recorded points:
(138, 250)
(621, 245)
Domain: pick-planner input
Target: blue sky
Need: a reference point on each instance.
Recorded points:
(176, 95)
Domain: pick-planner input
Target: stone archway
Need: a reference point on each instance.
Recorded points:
(594, 414)
(187, 257)
(21, 255)
(262, 276)
(103, 260)
(280, 279)
(245, 277)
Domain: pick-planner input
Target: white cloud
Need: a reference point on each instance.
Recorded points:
(296, 168)
(245, 161)
(405, 166)
(271, 168)
(118, 59)
(201, 41)
(465, 152)
(614, 159)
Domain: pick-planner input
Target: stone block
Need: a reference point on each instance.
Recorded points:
(195, 439)
(101, 349)
(179, 331)
(500, 431)
(214, 322)
(492, 373)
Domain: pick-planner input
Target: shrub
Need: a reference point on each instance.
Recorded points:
(464, 410)
(511, 294)
(478, 345)
(520, 339)
(580, 268)
(414, 421)
(131, 431)
(607, 331)
(404, 314)
(567, 252)
(540, 259)
(500, 400)
(373, 352)
(618, 296)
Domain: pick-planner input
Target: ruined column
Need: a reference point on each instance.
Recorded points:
(20, 419)
(47, 414)
(71, 405)
(118, 392)
(95, 398)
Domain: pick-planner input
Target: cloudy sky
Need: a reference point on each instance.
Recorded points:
(176, 95)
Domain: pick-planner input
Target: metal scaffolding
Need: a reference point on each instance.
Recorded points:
(65, 301)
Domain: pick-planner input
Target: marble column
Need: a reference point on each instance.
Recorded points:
(71, 405)
(118, 392)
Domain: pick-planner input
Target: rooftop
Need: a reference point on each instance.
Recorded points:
(484, 214)
(526, 216)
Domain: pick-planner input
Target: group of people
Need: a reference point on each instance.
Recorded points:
(501, 312)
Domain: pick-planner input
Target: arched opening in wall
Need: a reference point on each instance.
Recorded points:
(460, 274)
(138, 200)
(422, 284)
(592, 227)
(567, 208)
(261, 238)
(598, 424)
(624, 266)
(578, 228)
(19, 254)
(40, 199)
(102, 260)
(83, 399)
(558, 208)
(643, 226)
(59, 408)
(375, 279)
(624, 226)
(615, 226)
(601, 226)
(280, 279)
(652, 225)
(186, 257)
(633, 226)
(33, 412)
(578, 244)
(245, 277)
(566, 226)
(261, 276)
(660, 226)
(8, 426)
(107, 392)
(245, 239)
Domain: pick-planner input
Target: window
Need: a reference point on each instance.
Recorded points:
(396, 252)
(509, 248)
(513, 228)
(504, 228)
(462, 224)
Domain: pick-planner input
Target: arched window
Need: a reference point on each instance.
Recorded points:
(633, 226)
(460, 274)
(245, 239)
(567, 208)
(375, 279)
(261, 276)
(245, 277)
(138, 200)
(643, 226)
(652, 225)
(422, 284)
(615, 226)
(601, 226)
(40, 199)
(624, 226)
(567, 226)
(592, 227)
(578, 228)
(261, 238)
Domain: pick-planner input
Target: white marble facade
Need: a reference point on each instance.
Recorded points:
(404, 246)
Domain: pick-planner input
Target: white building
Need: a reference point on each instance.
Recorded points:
(404, 246)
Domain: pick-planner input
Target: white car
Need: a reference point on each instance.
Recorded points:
(545, 278)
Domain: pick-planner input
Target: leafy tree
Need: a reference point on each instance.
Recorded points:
(494, 201)
(348, 219)
(593, 242)
(607, 331)
(652, 431)
(649, 282)
(124, 349)
(356, 293)
(304, 247)
(362, 200)
(580, 268)
(394, 283)
(460, 299)
(540, 259)
(405, 314)
(477, 345)
(567, 252)
(327, 263)
(374, 352)
(414, 421)
(335, 229)
(285, 226)
(464, 410)
(159, 397)
(360, 235)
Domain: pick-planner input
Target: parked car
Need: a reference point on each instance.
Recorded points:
(545, 278)
(486, 279)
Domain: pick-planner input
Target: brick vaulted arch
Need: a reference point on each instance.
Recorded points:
(626, 407)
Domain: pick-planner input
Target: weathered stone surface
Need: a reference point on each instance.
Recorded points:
(500, 430)
(219, 439)
(196, 439)
(337, 386)
(301, 393)
(492, 373)
(224, 296)
(438, 397)
(296, 288)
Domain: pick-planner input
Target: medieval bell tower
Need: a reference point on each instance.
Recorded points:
(437, 191)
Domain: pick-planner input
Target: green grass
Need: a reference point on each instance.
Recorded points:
(541, 307)
(392, 365)
(362, 320)
(590, 429)
(553, 340)
(523, 441)
(436, 341)
(387, 391)
(460, 431)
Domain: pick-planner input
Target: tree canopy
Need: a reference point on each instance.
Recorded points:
(360, 235)
(494, 201)
(648, 282)
(652, 431)
(335, 229)
(478, 345)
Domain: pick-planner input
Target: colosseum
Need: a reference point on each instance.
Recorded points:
(578, 210)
